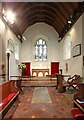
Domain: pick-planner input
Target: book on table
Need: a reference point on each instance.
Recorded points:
(80, 100)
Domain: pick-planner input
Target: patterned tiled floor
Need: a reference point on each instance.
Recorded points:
(59, 107)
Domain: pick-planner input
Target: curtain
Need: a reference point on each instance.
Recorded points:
(26, 71)
(54, 67)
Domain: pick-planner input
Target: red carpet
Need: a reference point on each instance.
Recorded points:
(59, 108)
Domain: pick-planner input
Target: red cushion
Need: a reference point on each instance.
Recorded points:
(81, 104)
(79, 116)
(75, 111)
(74, 83)
(10, 96)
(5, 100)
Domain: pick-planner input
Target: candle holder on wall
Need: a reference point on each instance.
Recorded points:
(66, 66)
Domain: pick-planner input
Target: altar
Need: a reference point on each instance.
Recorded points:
(40, 72)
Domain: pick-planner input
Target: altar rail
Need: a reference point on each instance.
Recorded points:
(40, 72)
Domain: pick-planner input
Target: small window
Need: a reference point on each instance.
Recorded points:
(67, 48)
(40, 50)
(16, 51)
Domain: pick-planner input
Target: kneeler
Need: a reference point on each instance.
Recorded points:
(77, 114)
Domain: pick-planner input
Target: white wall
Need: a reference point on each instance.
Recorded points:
(83, 42)
(7, 34)
(55, 51)
(0, 49)
(32, 34)
(74, 63)
(0, 58)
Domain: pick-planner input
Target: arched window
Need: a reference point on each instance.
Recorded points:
(67, 48)
(40, 50)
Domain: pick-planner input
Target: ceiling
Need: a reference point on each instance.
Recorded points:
(55, 14)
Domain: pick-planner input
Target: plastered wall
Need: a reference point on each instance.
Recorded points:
(74, 63)
(5, 35)
(32, 34)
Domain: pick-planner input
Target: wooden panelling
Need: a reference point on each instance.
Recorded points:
(40, 72)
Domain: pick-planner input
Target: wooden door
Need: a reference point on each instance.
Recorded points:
(54, 67)
(26, 71)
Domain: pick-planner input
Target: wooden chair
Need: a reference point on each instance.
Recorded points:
(73, 81)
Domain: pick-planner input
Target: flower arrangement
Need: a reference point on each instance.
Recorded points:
(21, 66)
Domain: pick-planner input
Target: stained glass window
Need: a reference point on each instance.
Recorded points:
(40, 50)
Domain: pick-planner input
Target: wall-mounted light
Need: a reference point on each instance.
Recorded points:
(19, 37)
(23, 37)
(8, 16)
(59, 39)
(69, 21)
(66, 30)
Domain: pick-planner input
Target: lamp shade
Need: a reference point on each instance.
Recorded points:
(8, 51)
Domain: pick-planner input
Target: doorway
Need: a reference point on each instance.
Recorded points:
(26, 72)
(54, 67)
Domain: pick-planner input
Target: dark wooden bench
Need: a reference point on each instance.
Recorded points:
(8, 94)
(78, 110)
(60, 85)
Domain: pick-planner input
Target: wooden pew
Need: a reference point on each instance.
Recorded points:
(78, 110)
(8, 94)
(60, 85)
